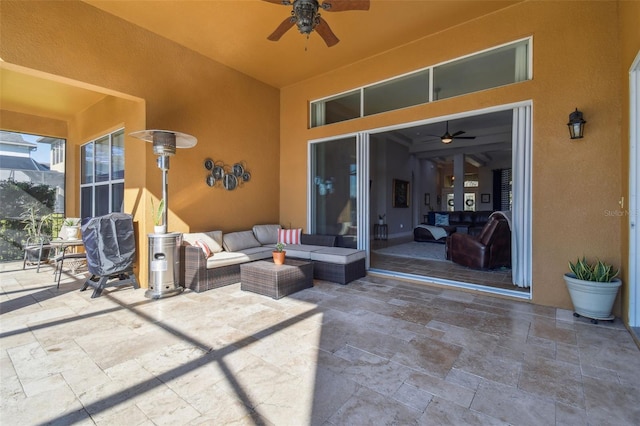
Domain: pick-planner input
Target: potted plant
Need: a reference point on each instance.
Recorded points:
(158, 215)
(593, 288)
(36, 246)
(381, 219)
(71, 227)
(279, 253)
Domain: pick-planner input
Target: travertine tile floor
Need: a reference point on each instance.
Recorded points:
(376, 351)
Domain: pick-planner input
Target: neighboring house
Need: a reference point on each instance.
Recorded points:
(17, 164)
(579, 194)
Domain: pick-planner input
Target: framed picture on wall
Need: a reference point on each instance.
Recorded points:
(485, 198)
(400, 193)
(427, 199)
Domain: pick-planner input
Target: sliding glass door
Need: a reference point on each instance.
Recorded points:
(351, 183)
(333, 190)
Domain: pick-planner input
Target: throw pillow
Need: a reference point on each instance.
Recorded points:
(442, 219)
(289, 236)
(204, 247)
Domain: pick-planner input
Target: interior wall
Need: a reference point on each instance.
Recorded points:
(572, 180)
(429, 184)
(399, 167)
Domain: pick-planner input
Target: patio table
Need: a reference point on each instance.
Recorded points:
(276, 281)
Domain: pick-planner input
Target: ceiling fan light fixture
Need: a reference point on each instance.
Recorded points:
(446, 139)
(306, 15)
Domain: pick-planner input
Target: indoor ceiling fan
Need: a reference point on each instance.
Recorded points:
(306, 16)
(448, 137)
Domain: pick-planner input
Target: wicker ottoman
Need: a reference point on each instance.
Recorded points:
(276, 281)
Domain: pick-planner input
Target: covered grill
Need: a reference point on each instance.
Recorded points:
(110, 245)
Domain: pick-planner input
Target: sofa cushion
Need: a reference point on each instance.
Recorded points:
(266, 234)
(302, 251)
(318, 240)
(236, 241)
(289, 236)
(213, 239)
(257, 253)
(442, 219)
(338, 255)
(225, 258)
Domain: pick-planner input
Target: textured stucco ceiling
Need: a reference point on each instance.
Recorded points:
(234, 32)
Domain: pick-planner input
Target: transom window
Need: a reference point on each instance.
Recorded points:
(495, 67)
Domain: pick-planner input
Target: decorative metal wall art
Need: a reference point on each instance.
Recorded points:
(227, 176)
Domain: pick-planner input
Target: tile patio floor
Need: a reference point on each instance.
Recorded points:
(376, 351)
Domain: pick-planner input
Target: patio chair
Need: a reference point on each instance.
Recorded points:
(36, 251)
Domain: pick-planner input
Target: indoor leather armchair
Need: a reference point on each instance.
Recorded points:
(489, 250)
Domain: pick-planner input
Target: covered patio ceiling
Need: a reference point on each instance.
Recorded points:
(235, 33)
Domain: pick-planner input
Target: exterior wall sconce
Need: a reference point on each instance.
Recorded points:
(576, 124)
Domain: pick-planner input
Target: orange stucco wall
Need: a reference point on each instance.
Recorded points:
(577, 63)
(574, 182)
(234, 117)
(108, 115)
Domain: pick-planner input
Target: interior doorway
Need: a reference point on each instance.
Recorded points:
(387, 181)
(489, 143)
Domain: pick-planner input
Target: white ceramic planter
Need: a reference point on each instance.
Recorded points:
(592, 299)
(73, 232)
(160, 229)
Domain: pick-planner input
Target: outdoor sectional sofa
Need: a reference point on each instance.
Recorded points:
(228, 251)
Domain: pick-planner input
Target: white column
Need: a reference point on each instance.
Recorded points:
(458, 186)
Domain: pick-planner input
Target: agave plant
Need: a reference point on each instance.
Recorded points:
(598, 271)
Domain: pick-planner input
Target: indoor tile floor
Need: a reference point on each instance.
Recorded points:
(376, 351)
(499, 278)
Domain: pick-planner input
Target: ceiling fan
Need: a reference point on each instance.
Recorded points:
(447, 137)
(306, 16)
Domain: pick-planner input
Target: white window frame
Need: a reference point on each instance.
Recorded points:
(109, 182)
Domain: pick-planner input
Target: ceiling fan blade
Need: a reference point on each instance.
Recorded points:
(464, 137)
(325, 32)
(458, 133)
(282, 28)
(342, 5)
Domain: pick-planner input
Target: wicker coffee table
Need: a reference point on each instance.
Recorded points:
(276, 281)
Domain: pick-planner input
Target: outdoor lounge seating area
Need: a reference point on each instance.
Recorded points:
(377, 351)
(217, 264)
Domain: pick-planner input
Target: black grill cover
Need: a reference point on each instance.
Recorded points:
(110, 244)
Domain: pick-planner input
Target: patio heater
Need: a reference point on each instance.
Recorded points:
(164, 248)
